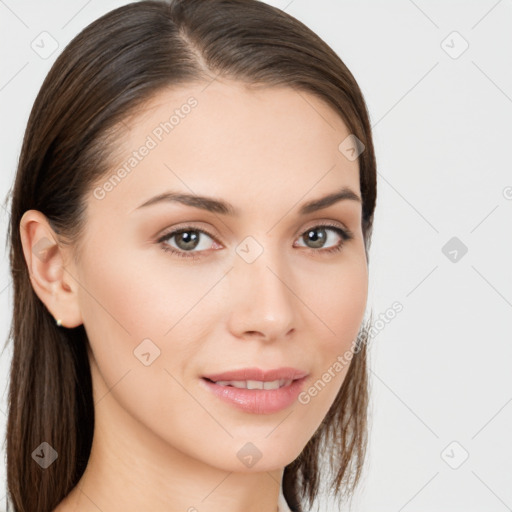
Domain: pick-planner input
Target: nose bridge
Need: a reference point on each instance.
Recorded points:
(262, 298)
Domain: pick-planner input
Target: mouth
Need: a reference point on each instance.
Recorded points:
(257, 375)
(253, 384)
(257, 396)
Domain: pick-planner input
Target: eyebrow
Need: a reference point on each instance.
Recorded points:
(223, 207)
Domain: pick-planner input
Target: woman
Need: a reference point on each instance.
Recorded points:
(189, 240)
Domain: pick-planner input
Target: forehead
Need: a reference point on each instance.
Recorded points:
(254, 145)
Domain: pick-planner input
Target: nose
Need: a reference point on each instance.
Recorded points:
(262, 301)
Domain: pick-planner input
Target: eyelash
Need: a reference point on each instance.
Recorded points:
(345, 235)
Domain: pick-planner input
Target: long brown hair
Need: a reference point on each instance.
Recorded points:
(105, 73)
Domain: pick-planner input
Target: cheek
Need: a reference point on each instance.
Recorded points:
(338, 298)
(134, 305)
(339, 303)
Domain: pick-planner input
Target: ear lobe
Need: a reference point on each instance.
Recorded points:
(45, 259)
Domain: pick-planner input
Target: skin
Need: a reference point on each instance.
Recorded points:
(162, 442)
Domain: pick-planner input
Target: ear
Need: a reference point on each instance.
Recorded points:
(46, 260)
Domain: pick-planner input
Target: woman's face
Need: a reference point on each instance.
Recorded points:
(260, 287)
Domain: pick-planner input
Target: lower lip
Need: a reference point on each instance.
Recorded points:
(258, 401)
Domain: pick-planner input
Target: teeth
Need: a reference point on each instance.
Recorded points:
(276, 384)
(255, 384)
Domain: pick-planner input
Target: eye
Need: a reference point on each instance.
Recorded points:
(190, 238)
(186, 240)
(318, 236)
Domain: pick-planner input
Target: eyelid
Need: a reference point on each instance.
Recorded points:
(325, 223)
(184, 227)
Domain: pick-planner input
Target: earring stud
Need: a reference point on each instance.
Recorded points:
(58, 322)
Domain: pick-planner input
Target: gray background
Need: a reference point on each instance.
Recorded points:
(441, 377)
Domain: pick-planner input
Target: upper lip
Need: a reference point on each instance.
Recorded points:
(285, 373)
